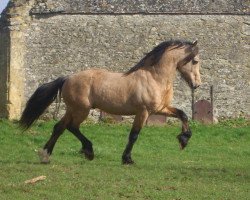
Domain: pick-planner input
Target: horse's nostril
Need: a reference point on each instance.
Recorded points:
(196, 86)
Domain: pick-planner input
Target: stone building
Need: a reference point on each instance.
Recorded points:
(44, 39)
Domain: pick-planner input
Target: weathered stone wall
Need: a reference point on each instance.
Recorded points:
(142, 6)
(4, 53)
(62, 37)
(13, 22)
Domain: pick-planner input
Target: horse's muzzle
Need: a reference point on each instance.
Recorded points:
(195, 86)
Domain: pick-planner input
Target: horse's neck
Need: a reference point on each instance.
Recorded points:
(164, 73)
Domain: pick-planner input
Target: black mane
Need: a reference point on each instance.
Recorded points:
(156, 54)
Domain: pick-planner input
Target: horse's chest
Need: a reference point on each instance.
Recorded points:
(161, 100)
(167, 97)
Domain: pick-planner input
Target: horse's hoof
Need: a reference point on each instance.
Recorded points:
(127, 161)
(88, 154)
(44, 156)
(183, 139)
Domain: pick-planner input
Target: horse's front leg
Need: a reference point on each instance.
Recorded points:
(139, 121)
(186, 133)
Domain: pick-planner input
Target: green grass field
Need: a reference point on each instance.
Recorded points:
(215, 165)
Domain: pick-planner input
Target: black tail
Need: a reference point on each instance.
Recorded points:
(39, 101)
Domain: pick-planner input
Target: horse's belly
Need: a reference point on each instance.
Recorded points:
(115, 107)
(117, 110)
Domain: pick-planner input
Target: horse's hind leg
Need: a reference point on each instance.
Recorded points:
(139, 121)
(57, 132)
(73, 127)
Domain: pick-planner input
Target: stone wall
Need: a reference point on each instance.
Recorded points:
(13, 23)
(4, 54)
(62, 37)
(141, 7)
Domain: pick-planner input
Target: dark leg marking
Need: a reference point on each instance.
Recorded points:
(57, 132)
(87, 148)
(48, 148)
(126, 157)
(183, 138)
(186, 133)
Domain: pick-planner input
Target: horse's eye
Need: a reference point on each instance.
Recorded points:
(194, 62)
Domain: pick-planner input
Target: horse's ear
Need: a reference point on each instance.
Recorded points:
(195, 42)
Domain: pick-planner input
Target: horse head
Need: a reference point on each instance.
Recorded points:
(182, 55)
(189, 64)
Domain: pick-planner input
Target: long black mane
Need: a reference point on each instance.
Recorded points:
(154, 56)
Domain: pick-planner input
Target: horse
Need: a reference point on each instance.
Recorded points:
(143, 90)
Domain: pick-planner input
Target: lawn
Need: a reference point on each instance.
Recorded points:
(215, 164)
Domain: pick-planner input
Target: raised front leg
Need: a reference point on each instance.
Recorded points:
(186, 133)
(139, 121)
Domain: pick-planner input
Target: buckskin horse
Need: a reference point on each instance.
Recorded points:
(145, 89)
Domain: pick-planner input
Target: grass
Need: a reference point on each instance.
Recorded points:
(215, 165)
